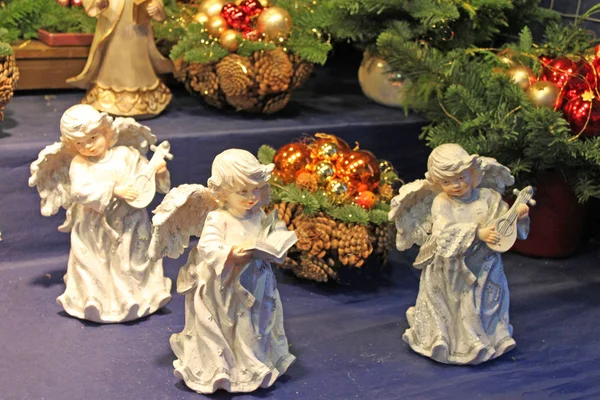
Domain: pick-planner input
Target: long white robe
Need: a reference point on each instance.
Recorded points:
(109, 280)
(233, 337)
(461, 313)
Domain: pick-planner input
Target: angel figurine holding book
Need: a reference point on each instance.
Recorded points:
(459, 219)
(233, 338)
(99, 173)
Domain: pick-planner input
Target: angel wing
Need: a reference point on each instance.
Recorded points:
(411, 211)
(180, 215)
(131, 133)
(495, 175)
(50, 175)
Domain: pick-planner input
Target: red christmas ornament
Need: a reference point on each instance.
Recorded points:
(360, 169)
(76, 3)
(559, 71)
(365, 199)
(290, 159)
(251, 7)
(236, 18)
(582, 80)
(251, 34)
(545, 61)
(583, 113)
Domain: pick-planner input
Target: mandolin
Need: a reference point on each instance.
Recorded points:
(506, 225)
(145, 182)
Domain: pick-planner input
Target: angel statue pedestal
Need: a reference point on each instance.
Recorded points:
(459, 219)
(99, 173)
(121, 73)
(233, 338)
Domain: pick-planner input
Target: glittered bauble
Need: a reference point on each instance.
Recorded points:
(235, 17)
(212, 7)
(337, 190)
(365, 199)
(544, 94)
(583, 115)
(251, 7)
(230, 39)
(263, 3)
(379, 83)
(290, 159)
(216, 25)
(521, 75)
(360, 169)
(251, 34)
(274, 23)
(324, 171)
(583, 79)
(201, 18)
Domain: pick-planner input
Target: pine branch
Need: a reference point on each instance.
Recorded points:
(266, 154)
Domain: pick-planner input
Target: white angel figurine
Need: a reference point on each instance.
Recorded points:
(459, 219)
(93, 172)
(233, 338)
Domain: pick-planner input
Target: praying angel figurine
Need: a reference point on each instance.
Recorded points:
(99, 173)
(233, 338)
(457, 215)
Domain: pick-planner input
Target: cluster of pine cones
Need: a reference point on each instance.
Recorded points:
(326, 246)
(9, 75)
(262, 83)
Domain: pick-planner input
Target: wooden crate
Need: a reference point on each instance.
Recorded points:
(45, 67)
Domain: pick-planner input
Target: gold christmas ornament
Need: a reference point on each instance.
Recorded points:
(324, 171)
(230, 39)
(337, 190)
(216, 25)
(379, 84)
(274, 23)
(521, 75)
(201, 18)
(212, 7)
(544, 94)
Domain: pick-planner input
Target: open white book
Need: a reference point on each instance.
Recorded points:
(273, 242)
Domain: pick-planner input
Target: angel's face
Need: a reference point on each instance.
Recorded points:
(244, 198)
(460, 185)
(94, 144)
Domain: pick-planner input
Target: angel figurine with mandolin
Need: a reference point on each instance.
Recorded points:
(99, 173)
(457, 215)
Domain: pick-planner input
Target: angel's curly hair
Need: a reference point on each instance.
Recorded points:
(79, 120)
(235, 168)
(450, 159)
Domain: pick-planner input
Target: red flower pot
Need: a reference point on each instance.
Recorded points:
(557, 220)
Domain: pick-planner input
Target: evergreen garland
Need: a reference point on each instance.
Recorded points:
(22, 18)
(469, 102)
(306, 40)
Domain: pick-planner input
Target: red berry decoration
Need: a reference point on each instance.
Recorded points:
(235, 17)
(583, 113)
(251, 7)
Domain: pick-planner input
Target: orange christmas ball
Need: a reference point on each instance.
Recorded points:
(365, 199)
(290, 159)
(360, 169)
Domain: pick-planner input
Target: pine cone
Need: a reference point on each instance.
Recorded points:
(245, 102)
(314, 236)
(274, 71)
(385, 238)
(386, 192)
(235, 75)
(354, 245)
(302, 71)
(276, 103)
(307, 181)
(9, 75)
(312, 268)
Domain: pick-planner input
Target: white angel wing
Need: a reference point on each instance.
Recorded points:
(50, 175)
(411, 211)
(131, 133)
(180, 215)
(495, 175)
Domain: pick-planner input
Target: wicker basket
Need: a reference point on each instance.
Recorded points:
(9, 75)
(262, 83)
(328, 249)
